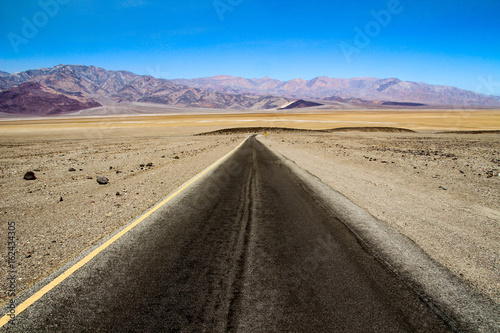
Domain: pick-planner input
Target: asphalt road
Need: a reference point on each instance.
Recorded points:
(249, 249)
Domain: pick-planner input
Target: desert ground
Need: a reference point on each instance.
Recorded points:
(442, 190)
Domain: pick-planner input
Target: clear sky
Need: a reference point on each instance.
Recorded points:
(450, 42)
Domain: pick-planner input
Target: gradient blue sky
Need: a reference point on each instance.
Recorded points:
(453, 43)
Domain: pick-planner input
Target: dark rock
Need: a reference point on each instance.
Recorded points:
(102, 180)
(30, 175)
(150, 164)
(142, 165)
(60, 199)
(71, 169)
(118, 194)
(176, 157)
(88, 177)
(492, 173)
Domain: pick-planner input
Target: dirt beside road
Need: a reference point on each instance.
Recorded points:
(63, 212)
(440, 190)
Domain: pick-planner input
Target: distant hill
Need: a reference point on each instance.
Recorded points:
(403, 104)
(300, 104)
(122, 86)
(370, 90)
(32, 98)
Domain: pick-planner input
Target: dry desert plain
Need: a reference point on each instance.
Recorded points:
(442, 190)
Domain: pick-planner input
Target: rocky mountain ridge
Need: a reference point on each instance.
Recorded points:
(32, 98)
(96, 83)
(366, 89)
(77, 86)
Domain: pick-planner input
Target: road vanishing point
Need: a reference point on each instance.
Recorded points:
(248, 248)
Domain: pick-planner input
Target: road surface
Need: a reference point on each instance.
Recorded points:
(249, 249)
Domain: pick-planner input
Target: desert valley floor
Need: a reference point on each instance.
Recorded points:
(440, 189)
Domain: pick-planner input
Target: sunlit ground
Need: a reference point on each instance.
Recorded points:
(152, 125)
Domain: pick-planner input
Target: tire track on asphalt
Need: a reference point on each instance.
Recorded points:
(242, 249)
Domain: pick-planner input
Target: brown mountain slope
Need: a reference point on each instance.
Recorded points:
(32, 98)
(368, 88)
(121, 86)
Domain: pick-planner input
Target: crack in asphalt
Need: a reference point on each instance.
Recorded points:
(241, 251)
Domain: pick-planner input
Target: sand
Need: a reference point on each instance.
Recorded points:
(193, 122)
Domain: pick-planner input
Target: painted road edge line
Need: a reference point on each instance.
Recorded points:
(40, 293)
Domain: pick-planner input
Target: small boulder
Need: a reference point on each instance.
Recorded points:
(30, 175)
(102, 180)
(71, 169)
(176, 157)
(150, 164)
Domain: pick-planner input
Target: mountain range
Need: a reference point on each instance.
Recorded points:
(353, 91)
(69, 88)
(90, 83)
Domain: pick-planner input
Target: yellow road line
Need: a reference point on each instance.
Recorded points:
(36, 296)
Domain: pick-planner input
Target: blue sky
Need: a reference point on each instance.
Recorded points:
(440, 42)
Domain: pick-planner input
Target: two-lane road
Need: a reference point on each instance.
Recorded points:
(249, 249)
